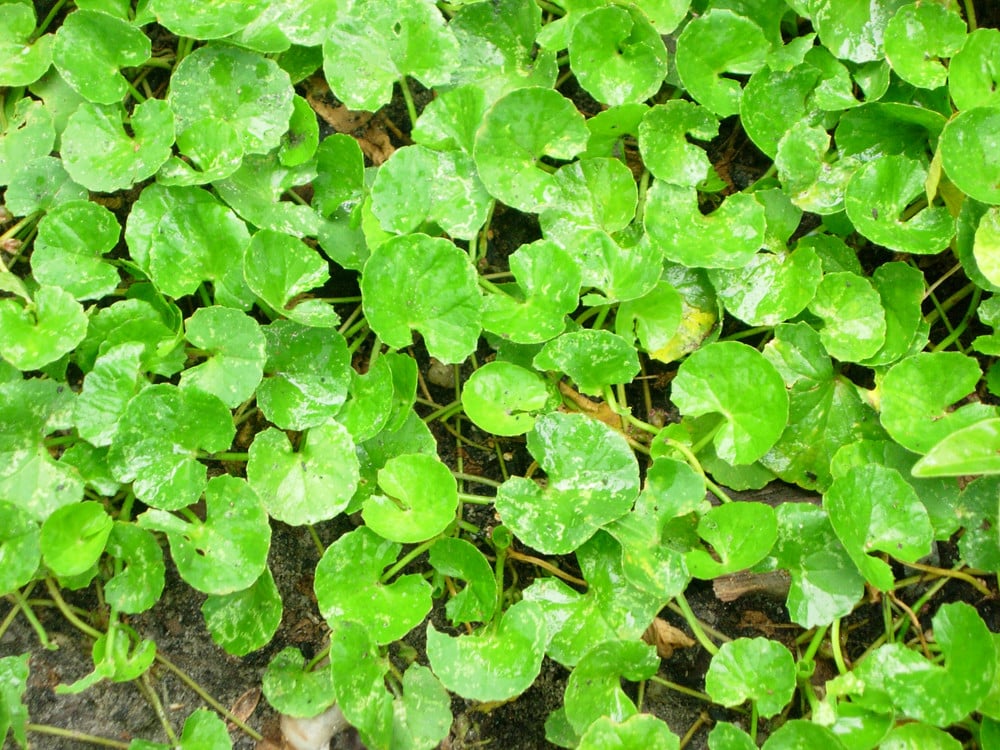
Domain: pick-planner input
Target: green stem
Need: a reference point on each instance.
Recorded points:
(24, 606)
(68, 613)
(753, 721)
(963, 325)
(944, 307)
(970, 14)
(838, 654)
(228, 456)
(48, 19)
(814, 644)
(445, 412)
(475, 478)
(316, 540)
(695, 624)
(680, 688)
(154, 700)
(411, 107)
(465, 497)
(406, 559)
(75, 735)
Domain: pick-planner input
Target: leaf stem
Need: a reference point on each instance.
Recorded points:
(963, 324)
(22, 604)
(680, 688)
(475, 478)
(407, 559)
(75, 735)
(48, 19)
(154, 700)
(411, 107)
(67, 612)
(838, 654)
(228, 456)
(953, 573)
(970, 14)
(466, 497)
(814, 643)
(544, 564)
(695, 624)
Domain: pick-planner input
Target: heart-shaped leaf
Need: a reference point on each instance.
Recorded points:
(48, 326)
(280, 269)
(236, 348)
(594, 686)
(71, 240)
(754, 669)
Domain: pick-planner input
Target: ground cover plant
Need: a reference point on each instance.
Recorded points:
(520, 354)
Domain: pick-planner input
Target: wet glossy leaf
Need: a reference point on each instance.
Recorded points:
(505, 399)
(205, 20)
(593, 193)
(970, 153)
(754, 669)
(280, 269)
(137, 587)
(422, 718)
(813, 178)
(592, 358)
(640, 730)
(594, 686)
(720, 41)
(593, 478)
(27, 136)
(227, 551)
(854, 30)
(517, 131)
(663, 141)
(358, 671)
(801, 734)
(418, 499)
(311, 484)
(21, 61)
(614, 271)
(825, 582)
(974, 449)
(158, 440)
(974, 71)
(348, 587)
(726, 238)
(246, 620)
(916, 40)
(775, 101)
(235, 347)
(770, 288)
(255, 192)
(91, 47)
(458, 558)
(853, 317)
(236, 89)
(210, 149)
(450, 121)
(901, 288)
(715, 380)
(917, 398)
(653, 318)
(42, 330)
(20, 551)
(68, 248)
(739, 534)
(416, 282)
(73, 537)
(101, 156)
(307, 374)
(494, 665)
(370, 47)
(873, 509)
(340, 174)
(878, 195)
(617, 55)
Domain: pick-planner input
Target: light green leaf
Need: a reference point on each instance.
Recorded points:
(813, 178)
(592, 479)
(416, 282)
(852, 314)
(293, 691)
(20, 551)
(594, 193)
(101, 156)
(41, 331)
(592, 358)
(594, 687)
(653, 318)
(91, 47)
(212, 150)
(418, 499)
(986, 245)
(73, 537)
(423, 717)
(227, 551)
(235, 347)
(348, 587)
(13, 711)
(754, 669)
(299, 144)
(245, 620)
(280, 269)
(517, 131)
(725, 736)
(802, 734)
(505, 399)
(358, 670)
(158, 439)
(970, 152)
(739, 534)
(21, 61)
(919, 737)
(449, 122)
(137, 587)
(916, 40)
(107, 389)
(976, 511)
(640, 730)
(458, 558)
(205, 19)
(902, 288)
(154, 324)
(29, 134)
(974, 71)
(973, 449)
(663, 142)
(68, 248)
(774, 102)
(311, 484)
(40, 185)
(853, 29)
(715, 379)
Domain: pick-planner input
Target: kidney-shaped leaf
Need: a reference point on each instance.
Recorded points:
(90, 48)
(594, 687)
(458, 558)
(757, 669)
(506, 399)
(280, 268)
(974, 449)
(73, 537)
(236, 346)
(71, 239)
(853, 317)
(293, 691)
(49, 326)
(918, 37)
(663, 141)
(138, 585)
(740, 534)
(418, 499)
(244, 620)
(718, 379)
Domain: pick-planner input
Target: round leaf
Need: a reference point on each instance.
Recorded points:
(970, 152)
(974, 449)
(206, 19)
(986, 245)
(418, 500)
(852, 30)
(246, 620)
(592, 358)
(40, 185)
(51, 325)
(22, 63)
(312, 484)
(505, 399)
(137, 587)
(593, 478)
(71, 240)
(416, 282)
(517, 131)
(640, 730)
(348, 587)
(916, 39)
(73, 537)
(663, 141)
(594, 193)
(716, 379)
(594, 686)
(617, 55)
(158, 440)
(237, 348)
(740, 535)
(28, 135)
(757, 669)
(293, 691)
(974, 71)
(280, 268)
(852, 314)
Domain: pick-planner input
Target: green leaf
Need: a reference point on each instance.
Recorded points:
(770, 288)
(714, 379)
(727, 238)
(28, 135)
(204, 729)
(594, 686)
(235, 346)
(663, 142)
(986, 245)
(872, 508)
(41, 331)
(640, 730)
(726, 736)
(450, 121)
(918, 37)
(348, 587)
(423, 717)
(936, 694)
(976, 511)
(802, 734)
(917, 395)
(617, 55)
(517, 131)
(969, 154)
(919, 737)
(358, 671)
(593, 478)
(91, 47)
(71, 239)
(138, 585)
(776, 101)
(592, 358)
(158, 439)
(458, 558)
(497, 664)
(594, 193)
(902, 288)
(367, 49)
(616, 272)
(20, 550)
(889, 129)
(21, 61)
(155, 326)
(227, 551)
(308, 485)
(308, 372)
(974, 71)
(740, 535)
(611, 609)
(210, 149)
(505, 399)
(880, 192)
(246, 620)
(101, 156)
(813, 178)
(293, 691)
(280, 269)
(232, 88)
(182, 236)
(208, 19)
(754, 669)
(714, 43)
(40, 185)
(299, 144)
(73, 537)
(968, 450)
(340, 177)
(653, 318)
(853, 30)
(825, 582)
(13, 711)
(418, 499)
(852, 314)
(418, 185)
(416, 282)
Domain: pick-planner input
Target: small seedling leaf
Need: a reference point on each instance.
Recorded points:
(418, 499)
(73, 537)
(740, 534)
(293, 691)
(505, 399)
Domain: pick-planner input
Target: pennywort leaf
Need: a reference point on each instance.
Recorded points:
(757, 669)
